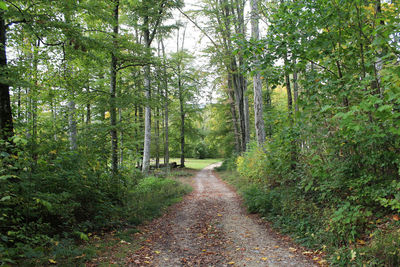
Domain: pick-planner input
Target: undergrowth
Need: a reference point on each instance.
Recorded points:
(347, 232)
(49, 209)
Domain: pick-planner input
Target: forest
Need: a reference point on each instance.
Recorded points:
(102, 103)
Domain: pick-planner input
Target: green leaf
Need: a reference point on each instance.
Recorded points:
(3, 5)
(5, 198)
(8, 176)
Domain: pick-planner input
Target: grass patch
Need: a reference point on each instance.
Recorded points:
(196, 164)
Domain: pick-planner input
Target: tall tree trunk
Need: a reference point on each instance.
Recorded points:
(19, 113)
(34, 99)
(257, 84)
(268, 102)
(293, 143)
(88, 108)
(288, 88)
(72, 130)
(54, 119)
(295, 91)
(121, 142)
(246, 113)
(6, 121)
(181, 99)
(240, 29)
(113, 92)
(379, 61)
(166, 107)
(147, 116)
(182, 111)
(231, 96)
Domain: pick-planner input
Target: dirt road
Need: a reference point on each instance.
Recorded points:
(211, 228)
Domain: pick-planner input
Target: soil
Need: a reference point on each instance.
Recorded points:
(210, 227)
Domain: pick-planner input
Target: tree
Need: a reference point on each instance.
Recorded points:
(113, 90)
(257, 84)
(6, 120)
(153, 13)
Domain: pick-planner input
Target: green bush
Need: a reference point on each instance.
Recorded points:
(228, 164)
(63, 196)
(151, 196)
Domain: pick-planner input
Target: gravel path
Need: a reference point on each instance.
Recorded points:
(211, 228)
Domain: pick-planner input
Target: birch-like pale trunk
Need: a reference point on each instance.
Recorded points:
(72, 129)
(147, 111)
(166, 109)
(257, 84)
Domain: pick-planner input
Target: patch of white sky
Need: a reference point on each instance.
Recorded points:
(196, 42)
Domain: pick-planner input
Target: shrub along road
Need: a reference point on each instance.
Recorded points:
(211, 228)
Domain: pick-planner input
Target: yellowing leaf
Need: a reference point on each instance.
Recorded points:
(361, 242)
(157, 252)
(52, 261)
(231, 263)
(107, 115)
(264, 258)
(219, 215)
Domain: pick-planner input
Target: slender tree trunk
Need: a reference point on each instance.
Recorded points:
(231, 96)
(288, 88)
(147, 116)
(268, 102)
(157, 137)
(240, 28)
(6, 121)
(246, 113)
(293, 149)
(19, 113)
(54, 119)
(257, 84)
(182, 113)
(295, 92)
(121, 136)
(379, 61)
(166, 107)
(72, 130)
(113, 92)
(88, 108)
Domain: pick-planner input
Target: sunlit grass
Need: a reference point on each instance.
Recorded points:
(196, 164)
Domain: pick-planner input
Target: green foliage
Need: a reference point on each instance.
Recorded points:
(151, 195)
(200, 151)
(348, 222)
(384, 249)
(61, 200)
(229, 164)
